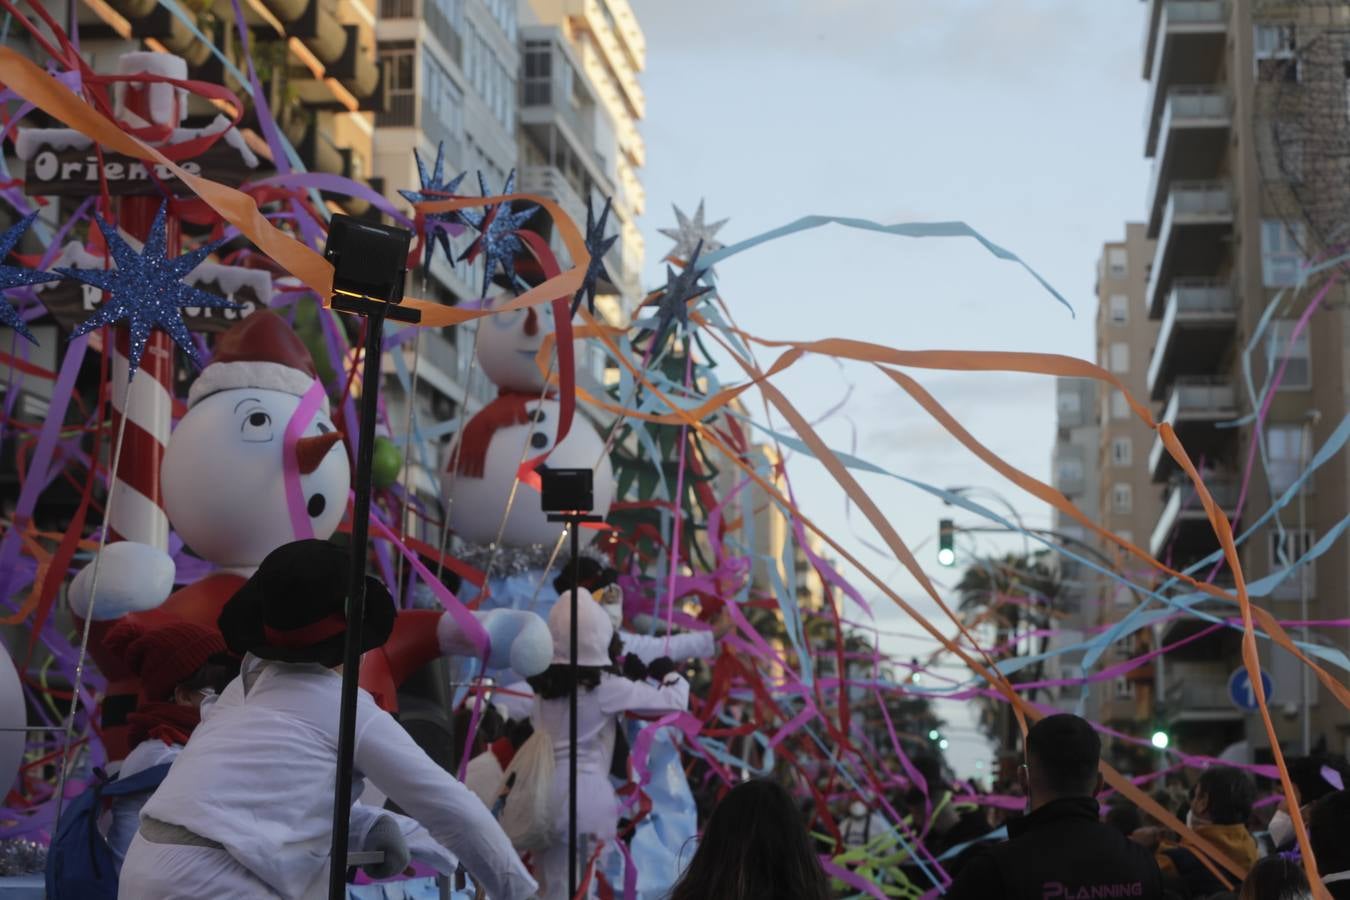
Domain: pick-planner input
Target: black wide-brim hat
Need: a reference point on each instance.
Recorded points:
(293, 609)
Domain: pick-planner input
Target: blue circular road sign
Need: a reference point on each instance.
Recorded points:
(1241, 692)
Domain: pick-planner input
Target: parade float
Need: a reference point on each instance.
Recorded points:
(201, 412)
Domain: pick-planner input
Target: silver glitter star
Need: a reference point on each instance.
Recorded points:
(436, 230)
(690, 233)
(146, 289)
(11, 276)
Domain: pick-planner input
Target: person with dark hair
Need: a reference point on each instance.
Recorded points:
(535, 812)
(246, 809)
(1312, 778)
(1276, 878)
(1329, 840)
(1125, 817)
(940, 824)
(1221, 803)
(755, 846)
(1060, 848)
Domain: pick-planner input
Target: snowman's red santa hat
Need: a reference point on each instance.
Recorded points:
(261, 352)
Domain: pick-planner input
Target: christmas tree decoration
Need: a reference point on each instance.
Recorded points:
(691, 233)
(673, 303)
(597, 245)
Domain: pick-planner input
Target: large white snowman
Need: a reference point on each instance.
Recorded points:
(256, 463)
(518, 426)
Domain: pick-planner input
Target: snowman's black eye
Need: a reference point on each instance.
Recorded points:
(539, 440)
(256, 427)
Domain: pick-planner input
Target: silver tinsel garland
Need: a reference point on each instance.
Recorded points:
(19, 856)
(516, 560)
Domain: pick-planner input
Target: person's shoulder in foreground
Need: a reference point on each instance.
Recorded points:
(1060, 850)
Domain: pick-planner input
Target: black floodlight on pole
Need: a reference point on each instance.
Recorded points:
(369, 268)
(567, 495)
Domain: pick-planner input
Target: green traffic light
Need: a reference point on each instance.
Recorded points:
(1161, 739)
(946, 542)
(934, 735)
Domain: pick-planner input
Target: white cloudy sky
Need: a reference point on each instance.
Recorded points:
(1021, 117)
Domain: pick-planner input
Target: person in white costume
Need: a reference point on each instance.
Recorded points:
(245, 812)
(602, 701)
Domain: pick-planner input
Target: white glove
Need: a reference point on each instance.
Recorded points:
(520, 640)
(132, 577)
(386, 835)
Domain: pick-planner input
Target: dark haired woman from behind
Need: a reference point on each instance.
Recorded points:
(754, 846)
(1276, 878)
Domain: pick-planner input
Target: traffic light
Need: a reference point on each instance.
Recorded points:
(1161, 739)
(946, 543)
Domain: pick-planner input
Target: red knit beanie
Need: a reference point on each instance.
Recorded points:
(163, 654)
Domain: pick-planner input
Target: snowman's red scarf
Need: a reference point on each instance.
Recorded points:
(506, 411)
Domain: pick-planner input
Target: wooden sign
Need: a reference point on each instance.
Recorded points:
(74, 172)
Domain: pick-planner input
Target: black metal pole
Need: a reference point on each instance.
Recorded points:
(575, 525)
(356, 604)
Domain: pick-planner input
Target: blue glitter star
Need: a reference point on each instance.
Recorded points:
(12, 276)
(497, 240)
(673, 303)
(146, 289)
(597, 245)
(434, 188)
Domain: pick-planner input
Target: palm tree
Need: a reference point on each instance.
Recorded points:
(1017, 594)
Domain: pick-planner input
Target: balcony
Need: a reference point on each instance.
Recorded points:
(1198, 692)
(1198, 324)
(1195, 406)
(438, 23)
(1183, 533)
(1194, 134)
(1194, 238)
(1185, 44)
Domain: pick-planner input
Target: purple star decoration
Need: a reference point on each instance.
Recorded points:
(146, 290)
(597, 245)
(438, 227)
(12, 276)
(497, 239)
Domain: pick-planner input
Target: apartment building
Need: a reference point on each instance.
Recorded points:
(1127, 500)
(1073, 470)
(1244, 98)
(609, 52)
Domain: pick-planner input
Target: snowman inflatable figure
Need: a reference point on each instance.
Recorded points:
(256, 463)
(485, 457)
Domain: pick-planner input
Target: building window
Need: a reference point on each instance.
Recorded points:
(1275, 52)
(538, 73)
(1281, 258)
(1117, 262)
(442, 105)
(1287, 548)
(1120, 407)
(400, 59)
(1070, 403)
(1118, 309)
(1292, 353)
(1118, 361)
(1069, 474)
(1122, 451)
(1124, 689)
(1286, 457)
(1122, 498)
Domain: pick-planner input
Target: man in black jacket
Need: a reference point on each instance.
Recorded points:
(1060, 850)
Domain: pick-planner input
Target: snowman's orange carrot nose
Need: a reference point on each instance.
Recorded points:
(531, 322)
(310, 451)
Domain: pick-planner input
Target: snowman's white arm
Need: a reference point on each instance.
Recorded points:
(131, 578)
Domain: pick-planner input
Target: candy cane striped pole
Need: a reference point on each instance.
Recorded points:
(138, 506)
